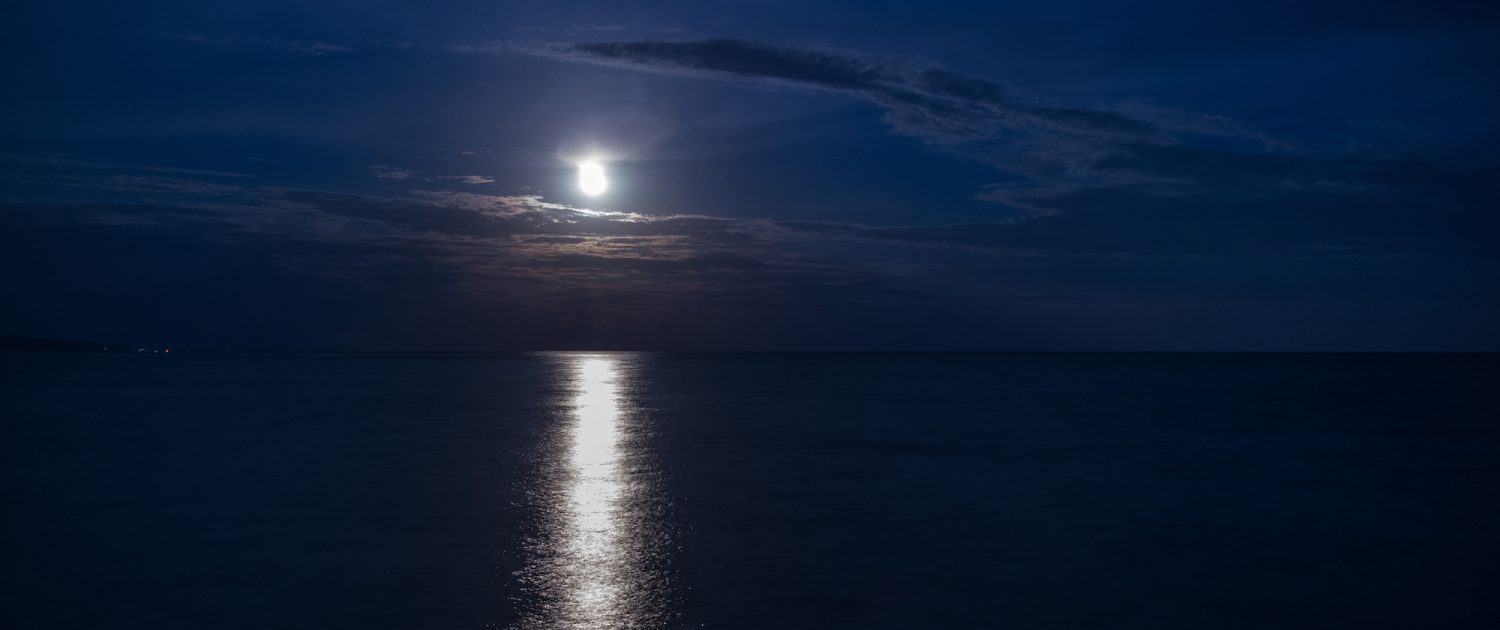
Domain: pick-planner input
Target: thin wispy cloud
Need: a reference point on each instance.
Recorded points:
(278, 43)
(398, 173)
(392, 172)
(53, 161)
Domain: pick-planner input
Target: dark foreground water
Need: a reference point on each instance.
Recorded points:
(750, 491)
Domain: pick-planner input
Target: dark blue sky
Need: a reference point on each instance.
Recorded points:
(800, 175)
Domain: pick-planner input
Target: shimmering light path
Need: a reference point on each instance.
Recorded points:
(593, 528)
(593, 568)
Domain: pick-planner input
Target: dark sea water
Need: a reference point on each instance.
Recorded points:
(750, 491)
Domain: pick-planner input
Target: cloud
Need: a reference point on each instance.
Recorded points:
(398, 173)
(920, 98)
(524, 245)
(392, 172)
(53, 161)
(473, 180)
(28, 175)
(1047, 150)
(515, 245)
(287, 45)
(171, 187)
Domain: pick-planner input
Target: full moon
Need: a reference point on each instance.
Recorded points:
(591, 178)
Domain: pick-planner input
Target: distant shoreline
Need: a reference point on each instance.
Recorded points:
(30, 344)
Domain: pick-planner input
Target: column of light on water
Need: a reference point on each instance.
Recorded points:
(594, 495)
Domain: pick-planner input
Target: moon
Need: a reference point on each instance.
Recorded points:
(591, 178)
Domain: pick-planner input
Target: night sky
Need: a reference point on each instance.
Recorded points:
(1076, 175)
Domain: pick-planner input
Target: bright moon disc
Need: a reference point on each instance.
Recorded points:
(591, 178)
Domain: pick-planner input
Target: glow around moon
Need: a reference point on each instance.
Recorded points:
(591, 178)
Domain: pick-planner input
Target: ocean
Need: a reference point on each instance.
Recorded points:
(647, 490)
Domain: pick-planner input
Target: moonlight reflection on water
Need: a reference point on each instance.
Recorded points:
(594, 566)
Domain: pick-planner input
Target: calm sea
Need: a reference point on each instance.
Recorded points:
(626, 490)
